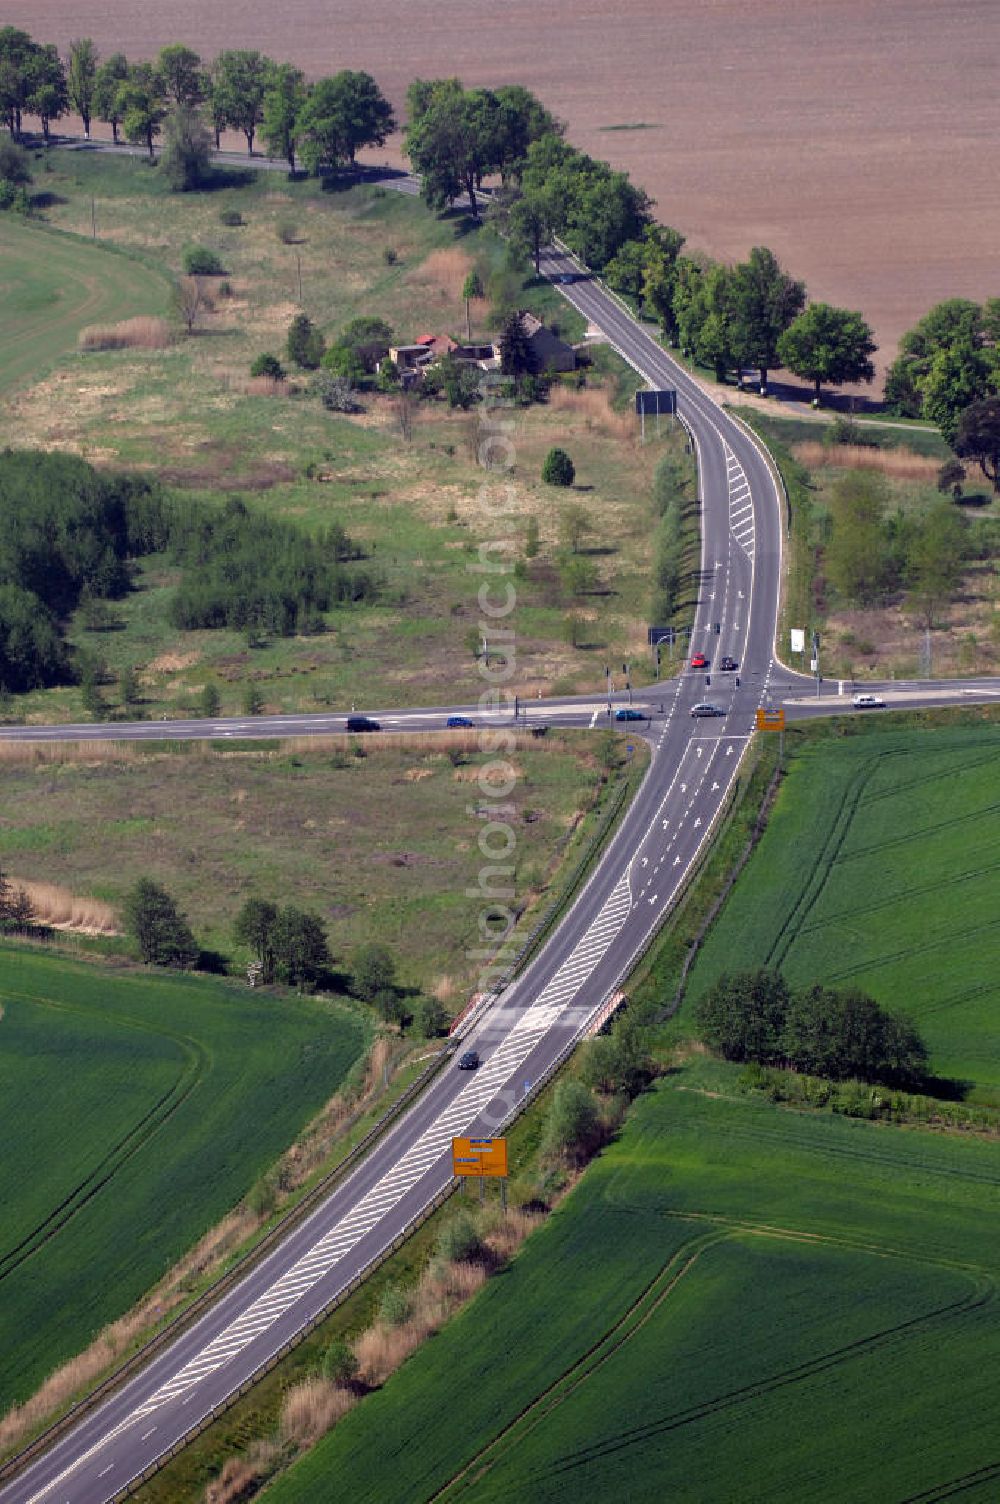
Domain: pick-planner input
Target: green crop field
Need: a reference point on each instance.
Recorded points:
(134, 1112)
(879, 870)
(738, 1302)
(55, 285)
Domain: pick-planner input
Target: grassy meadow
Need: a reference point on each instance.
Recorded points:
(302, 823)
(736, 1302)
(888, 639)
(878, 870)
(190, 413)
(135, 1111)
(56, 285)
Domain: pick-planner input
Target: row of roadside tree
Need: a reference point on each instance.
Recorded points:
(751, 316)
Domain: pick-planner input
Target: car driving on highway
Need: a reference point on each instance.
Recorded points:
(469, 1061)
(699, 661)
(362, 723)
(627, 714)
(458, 720)
(705, 709)
(868, 702)
(728, 665)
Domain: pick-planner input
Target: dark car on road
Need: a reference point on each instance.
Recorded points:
(362, 723)
(728, 665)
(469, 1061)
(699, 661)
(458, 720)
(706, 709)
(629, 715)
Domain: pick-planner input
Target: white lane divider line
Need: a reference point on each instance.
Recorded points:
(394, 1185)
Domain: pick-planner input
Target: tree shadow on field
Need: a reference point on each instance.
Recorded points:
(219, 176)
(945, 1088)
(45, 200)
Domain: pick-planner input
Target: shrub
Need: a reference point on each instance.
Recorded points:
(374, 971)
(305, 344)
(287, 231)
(432, 1018)
(231, 218)
(390, 255)
(199, 261)
(558, 469)
(340, 1365)
(459, 1242)
(15, 164)
(267, 364)
(573, 1125)
(12, 196)
(334, 392)
(395, 1305)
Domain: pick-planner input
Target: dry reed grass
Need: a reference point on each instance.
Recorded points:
(310, 1408)
(899, 464)
(62, 910)
(593, 407)
(445, 269)
(267, 386)
(143, 333)
(241, 1477)
(19, 754)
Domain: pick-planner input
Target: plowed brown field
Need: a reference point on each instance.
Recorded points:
(859, 138)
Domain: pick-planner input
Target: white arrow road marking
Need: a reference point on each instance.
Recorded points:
(677, 861)
(714, 787)
(698, 750)
(697, 822)
(653, 899)
(645, 861)
(684, 788)
(729, 751)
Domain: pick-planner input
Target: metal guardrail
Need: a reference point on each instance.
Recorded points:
(302, 1208)
(226, 1280)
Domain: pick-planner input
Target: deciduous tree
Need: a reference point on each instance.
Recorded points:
(110, 76)
(161, 932)
(240, 79)
(187, 149)
(374, 970)
(141, 106)
(182, 76)
(254, 927)
(341, 115)
(48, 96)
(765, 301)
(977, 437)
(81, 79)
(283, 101)
(830, 345)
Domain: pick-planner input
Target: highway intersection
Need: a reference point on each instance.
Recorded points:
(533, 1024)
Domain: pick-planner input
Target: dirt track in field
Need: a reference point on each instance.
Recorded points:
(858, 138)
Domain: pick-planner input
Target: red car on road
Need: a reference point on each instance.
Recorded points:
(699, 661)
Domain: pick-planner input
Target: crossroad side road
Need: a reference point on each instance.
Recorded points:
(538, 1018)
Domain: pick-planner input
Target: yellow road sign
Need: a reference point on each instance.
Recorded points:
(479, 1156)
(770, 720)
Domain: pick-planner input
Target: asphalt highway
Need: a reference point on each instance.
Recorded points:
(532, 1023)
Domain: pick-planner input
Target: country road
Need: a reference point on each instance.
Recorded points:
(539, 1017)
